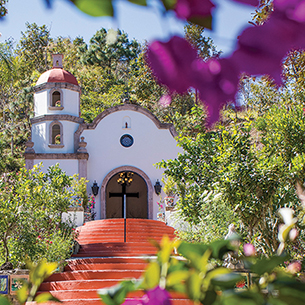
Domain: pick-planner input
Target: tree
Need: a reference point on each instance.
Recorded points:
(205, 47)
(32, 49)
(32, 203)
(112, 55)
(3, 9)
(251, 169)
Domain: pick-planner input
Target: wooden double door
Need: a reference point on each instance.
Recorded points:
(131, 192)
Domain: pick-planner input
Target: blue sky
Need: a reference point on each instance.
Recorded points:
(138, 22)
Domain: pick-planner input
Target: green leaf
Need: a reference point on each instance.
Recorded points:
(169, 4)
(116, 295)
(193, 285)
(139, 2)
(209, 298)
(95, 8)
(267, 265)
(4, 301)
(45, 297)
(42, 271)
(217, 273)
(151, 276)
(22, 293)
(167, 247)
(292, 296)
(189, 249)
(221, 247)
(177, 277)
(227, 281)
(192, 250)
(231, 297)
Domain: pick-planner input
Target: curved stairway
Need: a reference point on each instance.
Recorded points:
(104, 259)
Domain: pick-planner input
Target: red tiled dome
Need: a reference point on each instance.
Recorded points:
(57, 75)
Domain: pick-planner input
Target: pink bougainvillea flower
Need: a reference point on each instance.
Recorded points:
(156, 296)
(133, 302)
(217, 82)
(165, 100)
(249, 250)
(250, 2)
(188, 9)
(293, 9)
(171, 62)
(261, 49)
(294, 267)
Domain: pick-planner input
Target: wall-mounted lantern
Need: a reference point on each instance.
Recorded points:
(94, 188)
(158, 187)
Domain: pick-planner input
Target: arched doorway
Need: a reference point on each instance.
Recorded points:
(126, 168)
(128, 189)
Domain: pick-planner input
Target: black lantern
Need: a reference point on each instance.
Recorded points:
(94, 188)
(158, 187)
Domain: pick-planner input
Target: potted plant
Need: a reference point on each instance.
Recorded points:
(169, 190)
(160, 214)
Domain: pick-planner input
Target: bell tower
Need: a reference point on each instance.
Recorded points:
(56, 113)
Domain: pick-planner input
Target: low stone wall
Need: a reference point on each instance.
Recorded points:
(9, 279)
(74, 215)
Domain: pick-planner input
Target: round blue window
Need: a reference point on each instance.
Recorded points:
(126, 140)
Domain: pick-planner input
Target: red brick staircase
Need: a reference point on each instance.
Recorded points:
(105, 259)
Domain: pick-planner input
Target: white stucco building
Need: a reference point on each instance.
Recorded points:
(125, 138)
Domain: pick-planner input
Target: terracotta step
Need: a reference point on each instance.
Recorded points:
(117, 247)
(107, 266)
(86, 294)
(122, 250)
(92, 293)
(94, 275)
(78, 285)
(97, 301)
(104, 260)
(112, 245)
(118, 252)
(113, 252)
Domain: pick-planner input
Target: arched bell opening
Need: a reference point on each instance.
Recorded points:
(56, 100)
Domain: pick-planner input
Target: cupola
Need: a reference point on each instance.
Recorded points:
(57, 74)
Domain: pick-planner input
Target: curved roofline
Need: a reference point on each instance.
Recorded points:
(57, 117)
(61, 85)
(57, 75)
(124, 107)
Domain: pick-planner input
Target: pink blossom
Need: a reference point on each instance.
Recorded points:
(293, 9)
(250, 2)
(189, 9)
(294, 267)
(249, 250)
(293, 234)
(165, 100)
(171, 62)
(156, 296)
(259, 52)
(217, 82)
(261, 49)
